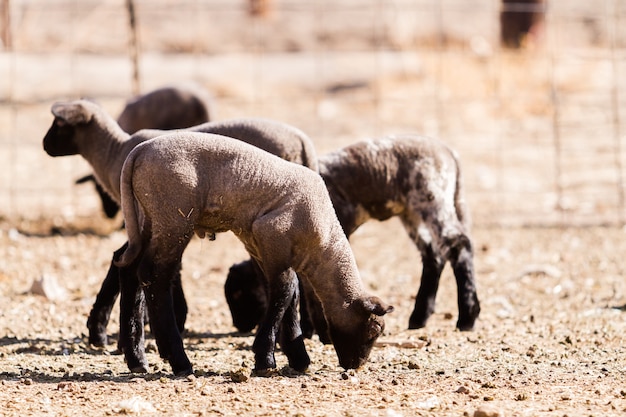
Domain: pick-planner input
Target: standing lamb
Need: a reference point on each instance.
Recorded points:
(415, 178)
(166, 108)
(282, 214)
(84, 128)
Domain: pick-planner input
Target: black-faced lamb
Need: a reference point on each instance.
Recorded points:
(184, 183)
(166, 108)
(415, 178)
(84, 128)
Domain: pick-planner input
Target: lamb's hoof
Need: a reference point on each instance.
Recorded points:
(416, 324)
(138, 368)
(181, 367)
(418, 319)
(300, 365)
(468, 316)
(183, 372)
(136, 364)
(97, 332)
(297, 355)
(98, 339)
(289, 372)
(265, 373)
(465, 325)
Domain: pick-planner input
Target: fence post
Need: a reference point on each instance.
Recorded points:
(133, 45)
(6, 26)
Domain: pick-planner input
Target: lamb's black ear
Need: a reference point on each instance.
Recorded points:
(376, 306)
(72, 113)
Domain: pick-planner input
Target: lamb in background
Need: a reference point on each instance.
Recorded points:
(415, 178)
(84, 128)
(166, 108)
(280, 211)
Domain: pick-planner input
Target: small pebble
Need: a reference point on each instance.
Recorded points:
(462, 390)
(240, 375)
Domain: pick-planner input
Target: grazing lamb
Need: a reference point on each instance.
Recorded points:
(82, 127)
(415, 178)
(166, 108)
(282, 214)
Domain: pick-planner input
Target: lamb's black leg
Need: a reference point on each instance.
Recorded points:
(291, 337)
(281, 291)
(109, 206)
(425, 299)
(156, 280)
(461, 259)
(180, 303)
(315, 312)
(132, 311)
(101, 309)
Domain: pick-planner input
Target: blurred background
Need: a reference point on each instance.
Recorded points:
(532, 94)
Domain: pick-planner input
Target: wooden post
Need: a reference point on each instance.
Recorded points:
(133, 45)
(6, 25)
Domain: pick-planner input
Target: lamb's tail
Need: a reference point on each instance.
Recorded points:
(309, 155)
(131, 216)
(460, 204)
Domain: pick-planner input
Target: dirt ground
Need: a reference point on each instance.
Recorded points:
(550, 338)
(549, 341)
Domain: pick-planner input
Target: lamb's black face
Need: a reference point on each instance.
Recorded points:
(353, 348)
(59, 141)
(354, 344)
(246, 296)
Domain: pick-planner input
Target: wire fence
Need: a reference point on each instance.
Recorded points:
(537, 117)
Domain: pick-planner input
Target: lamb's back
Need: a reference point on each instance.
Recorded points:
(277, 138)
(377, 176)
(213, 171)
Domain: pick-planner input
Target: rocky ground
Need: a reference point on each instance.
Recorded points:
(549, 342)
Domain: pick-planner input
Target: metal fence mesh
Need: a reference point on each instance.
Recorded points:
(539, 128)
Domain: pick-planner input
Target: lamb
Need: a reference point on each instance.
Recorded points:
(82, 127)
(415, 178)
(282, 214)
(166, 108)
